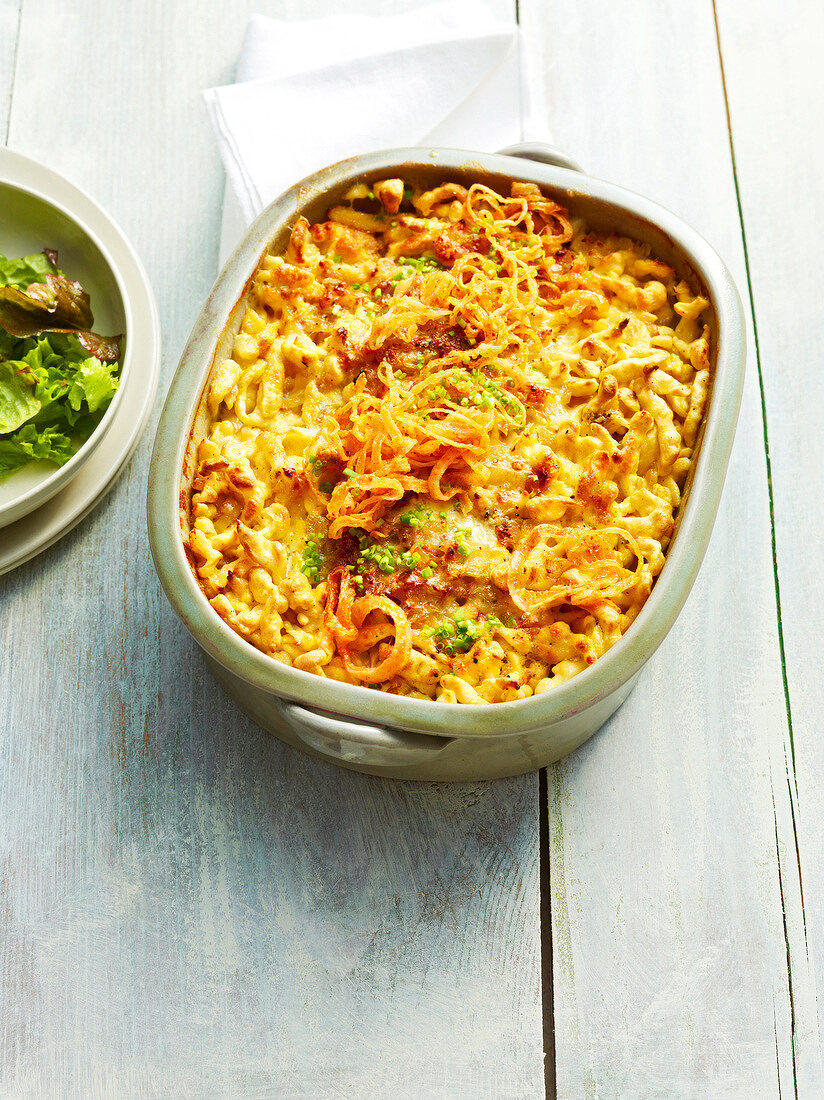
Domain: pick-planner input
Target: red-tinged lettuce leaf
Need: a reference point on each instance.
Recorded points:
(56, 305)
(65, 299)
(105, 348)
(21, 315)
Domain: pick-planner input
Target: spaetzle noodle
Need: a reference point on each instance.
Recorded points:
(446, 453)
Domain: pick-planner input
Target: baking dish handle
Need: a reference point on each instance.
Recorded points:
(359, 743)
(540, 151)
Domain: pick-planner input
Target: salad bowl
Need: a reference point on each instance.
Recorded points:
(42, 210)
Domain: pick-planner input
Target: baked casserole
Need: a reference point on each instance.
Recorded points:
(445, 456)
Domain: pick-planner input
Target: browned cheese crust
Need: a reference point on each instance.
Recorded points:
(446, 454)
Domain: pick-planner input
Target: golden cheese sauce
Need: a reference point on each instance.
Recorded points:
(446, 453)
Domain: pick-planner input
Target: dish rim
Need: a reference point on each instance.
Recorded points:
(26, 502)
(684, 556)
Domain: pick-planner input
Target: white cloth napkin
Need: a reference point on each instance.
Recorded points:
(313, 92)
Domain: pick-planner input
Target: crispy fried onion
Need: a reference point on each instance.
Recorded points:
(432, 434)
(388, 449)
(578, 565)
(526, 211)
(345, 617)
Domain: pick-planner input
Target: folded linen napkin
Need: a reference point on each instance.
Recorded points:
(311, 93)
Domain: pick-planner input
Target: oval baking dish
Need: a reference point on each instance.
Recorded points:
(391, 735)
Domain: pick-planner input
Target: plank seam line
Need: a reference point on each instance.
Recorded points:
(547, 976)
(777, 1057)
(786, 944)
(792, 780)
(13, 80)
(762, 395)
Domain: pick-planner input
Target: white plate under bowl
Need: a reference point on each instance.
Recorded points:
(50, 212)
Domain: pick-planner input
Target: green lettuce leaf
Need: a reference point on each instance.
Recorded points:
(95, 383)
(66, 381)
(18, 402)
(24, 270)
(28, 443)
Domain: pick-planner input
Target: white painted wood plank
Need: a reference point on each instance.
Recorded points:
(9, 24)
(190, 908)
(775, 90)
(669, 831)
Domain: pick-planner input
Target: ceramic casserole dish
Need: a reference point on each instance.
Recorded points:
(378, 732)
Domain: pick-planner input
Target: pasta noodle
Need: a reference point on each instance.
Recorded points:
(445, 456)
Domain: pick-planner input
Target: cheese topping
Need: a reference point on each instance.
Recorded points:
(446, 454)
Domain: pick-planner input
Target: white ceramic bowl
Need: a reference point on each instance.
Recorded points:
(37, 212)
(375, 731)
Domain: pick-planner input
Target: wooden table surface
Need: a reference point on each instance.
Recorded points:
(191, 909)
